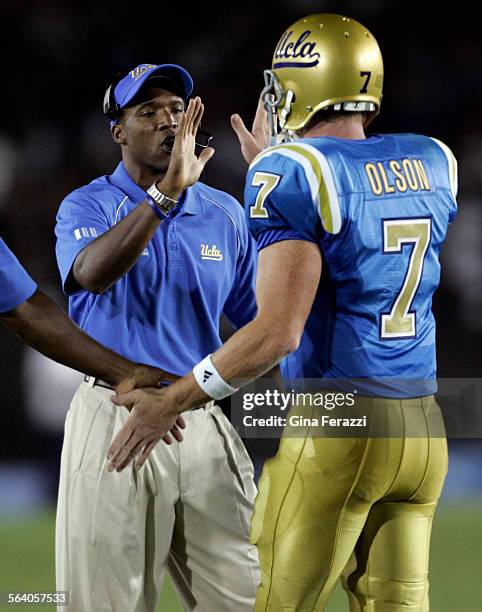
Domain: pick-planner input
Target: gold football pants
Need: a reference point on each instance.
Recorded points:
(356, 508)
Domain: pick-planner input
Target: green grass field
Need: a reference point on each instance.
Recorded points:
(27, 561)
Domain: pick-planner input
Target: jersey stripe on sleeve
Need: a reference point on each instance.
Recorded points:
(452, 163)
(319, 177)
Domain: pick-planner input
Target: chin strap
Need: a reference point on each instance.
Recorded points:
(286, 110)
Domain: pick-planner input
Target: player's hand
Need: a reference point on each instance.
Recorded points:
(150, 421)
(185, 168)
(143, 376)
(252, 143)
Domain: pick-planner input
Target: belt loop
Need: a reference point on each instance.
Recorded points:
(90, 380)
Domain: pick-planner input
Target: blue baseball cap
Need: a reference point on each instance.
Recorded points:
(171, 76)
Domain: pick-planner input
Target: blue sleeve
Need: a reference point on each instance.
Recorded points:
(240, 307)
(278, 235)
(278, 197)
(80, 220)
(16, 285)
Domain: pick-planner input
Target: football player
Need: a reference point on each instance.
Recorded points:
(375, 210)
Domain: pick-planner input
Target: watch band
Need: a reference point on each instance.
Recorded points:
(156, 209)
(162, 201)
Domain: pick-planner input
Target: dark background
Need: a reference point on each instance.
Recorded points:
(58, 58)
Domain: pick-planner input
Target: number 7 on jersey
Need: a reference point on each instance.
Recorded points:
(267, 182)
(400, 322)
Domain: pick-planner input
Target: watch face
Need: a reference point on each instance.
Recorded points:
(168, 203)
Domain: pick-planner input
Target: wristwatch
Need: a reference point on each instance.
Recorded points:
(159, 201)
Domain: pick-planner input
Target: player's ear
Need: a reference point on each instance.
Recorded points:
(118, 133)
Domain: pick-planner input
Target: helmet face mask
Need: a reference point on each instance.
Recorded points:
(277, 102)
(323, 61)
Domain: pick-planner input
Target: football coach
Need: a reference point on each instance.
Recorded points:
(151, 258)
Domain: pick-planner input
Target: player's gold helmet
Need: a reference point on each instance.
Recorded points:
(324, 61)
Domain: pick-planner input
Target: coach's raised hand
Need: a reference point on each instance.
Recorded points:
(184, 167)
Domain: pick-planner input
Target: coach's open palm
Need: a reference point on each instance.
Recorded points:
(185, 168)
(150, 421)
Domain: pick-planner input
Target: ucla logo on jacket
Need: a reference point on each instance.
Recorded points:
(213, 252)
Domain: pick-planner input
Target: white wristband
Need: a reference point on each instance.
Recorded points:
(210, 380)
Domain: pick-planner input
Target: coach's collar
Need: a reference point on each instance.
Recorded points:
(190, 201)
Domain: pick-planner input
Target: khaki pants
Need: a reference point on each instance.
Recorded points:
(188, 508)
(359, 509)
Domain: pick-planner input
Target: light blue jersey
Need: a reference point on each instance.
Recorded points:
(16, 285)
(379, 210)
(165, 311)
